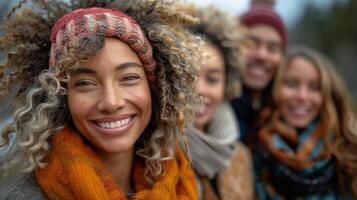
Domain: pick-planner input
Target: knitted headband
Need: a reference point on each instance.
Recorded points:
(261, 13)
(113, 23)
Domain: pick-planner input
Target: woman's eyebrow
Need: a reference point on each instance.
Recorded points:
(88, 70)
(127, 65)
(81, 70)
(215, 71)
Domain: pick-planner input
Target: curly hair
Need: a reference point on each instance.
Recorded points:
(337, 112)
(41, 102)
(228, 35)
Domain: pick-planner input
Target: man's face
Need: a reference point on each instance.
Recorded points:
(264, 55)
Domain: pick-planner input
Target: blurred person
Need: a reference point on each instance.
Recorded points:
(103, 101)
(308, 139)
(264, 53)
(222, 165)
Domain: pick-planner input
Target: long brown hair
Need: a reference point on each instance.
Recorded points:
(337, 112)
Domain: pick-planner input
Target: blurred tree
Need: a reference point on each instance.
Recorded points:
(333, 31)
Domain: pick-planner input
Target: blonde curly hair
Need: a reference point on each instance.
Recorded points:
(226, 33)
(41, 102)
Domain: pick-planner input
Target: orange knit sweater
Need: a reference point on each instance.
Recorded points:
(74, 171)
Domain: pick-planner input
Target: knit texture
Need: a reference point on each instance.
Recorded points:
(84, 23)
(74, 171)
(212, 150)
(294, 164)
(261, 13)
(235, 181)
(310, 147)
(223, 166)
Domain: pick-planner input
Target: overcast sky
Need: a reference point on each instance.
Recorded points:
(290, 10)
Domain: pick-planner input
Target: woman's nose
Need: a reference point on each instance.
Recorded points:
(111, 99)
(303, 93)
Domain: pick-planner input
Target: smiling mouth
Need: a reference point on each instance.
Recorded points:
(300, 111)
(258, 70)
(114, 124)
(201, 110)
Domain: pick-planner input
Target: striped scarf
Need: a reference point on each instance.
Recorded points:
(309, 146)
(299, 164)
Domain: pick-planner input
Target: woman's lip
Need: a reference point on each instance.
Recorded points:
(114, 131)
(202, 111)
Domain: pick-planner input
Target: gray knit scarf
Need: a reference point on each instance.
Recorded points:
(211, 150)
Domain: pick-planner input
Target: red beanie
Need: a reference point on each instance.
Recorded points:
(260, 13)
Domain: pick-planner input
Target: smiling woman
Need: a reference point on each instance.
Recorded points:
(102, 102)
(308, 135)
(222, 165)
(109, 99)
(300, 98)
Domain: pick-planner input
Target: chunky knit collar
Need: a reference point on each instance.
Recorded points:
(74, 171)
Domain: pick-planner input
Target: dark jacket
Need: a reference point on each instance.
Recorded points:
(245, 114)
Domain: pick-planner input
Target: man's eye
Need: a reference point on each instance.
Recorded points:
(274, 48)
(251, 43)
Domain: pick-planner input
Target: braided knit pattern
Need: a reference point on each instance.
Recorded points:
(74, 171)
(83, 23)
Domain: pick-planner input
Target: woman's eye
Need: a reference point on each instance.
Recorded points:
(212, 80)
(315, 87)
(130, 78)
(290, 83)
(83, 83)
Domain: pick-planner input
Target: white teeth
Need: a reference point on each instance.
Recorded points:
(201, 109)
(258, 70)
(118, 124)
(300, 111)
(115, 124)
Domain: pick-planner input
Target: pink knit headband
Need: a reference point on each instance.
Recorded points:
(88, 21)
